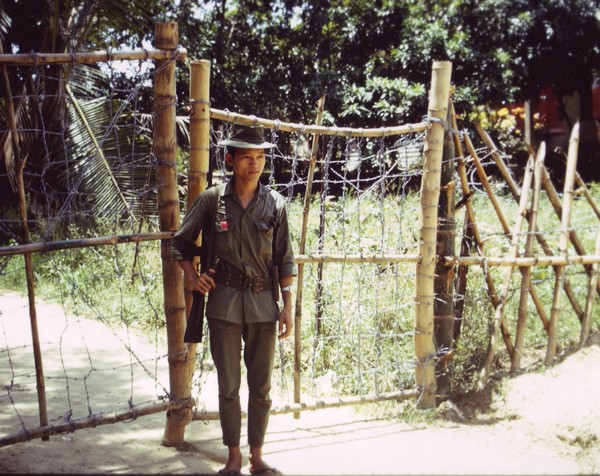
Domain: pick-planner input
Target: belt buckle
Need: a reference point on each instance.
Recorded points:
(256, 284)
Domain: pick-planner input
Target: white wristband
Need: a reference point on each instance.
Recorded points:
(286, 289)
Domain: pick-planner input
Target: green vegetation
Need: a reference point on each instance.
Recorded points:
(357, 323)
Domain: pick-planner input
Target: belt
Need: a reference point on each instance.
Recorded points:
(242, 282)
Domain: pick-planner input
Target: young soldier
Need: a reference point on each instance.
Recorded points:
(251, 240)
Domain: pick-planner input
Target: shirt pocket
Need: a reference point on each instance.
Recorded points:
(264, 230)
(225, 236)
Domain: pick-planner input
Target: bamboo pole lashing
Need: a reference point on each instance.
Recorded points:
(513, 253)
(439, 96)
(526, 275)
(563, 241)
(300, 266)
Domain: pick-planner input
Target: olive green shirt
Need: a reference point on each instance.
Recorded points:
(246, 241)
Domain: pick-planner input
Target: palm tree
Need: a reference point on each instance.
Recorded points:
(83, 132)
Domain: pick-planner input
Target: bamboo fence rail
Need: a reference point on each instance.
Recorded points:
(323, 403)
(91, 57)
(47, 246)
(318, 129)
(46, 431)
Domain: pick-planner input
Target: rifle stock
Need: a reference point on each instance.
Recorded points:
(195, 322)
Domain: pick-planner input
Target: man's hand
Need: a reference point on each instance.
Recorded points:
(204, 282)
(285, 323)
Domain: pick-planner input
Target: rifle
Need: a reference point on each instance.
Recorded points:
(195, 323)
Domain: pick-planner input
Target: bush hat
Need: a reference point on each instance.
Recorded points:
(247, 137)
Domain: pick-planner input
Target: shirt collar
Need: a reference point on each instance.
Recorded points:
(262, 189)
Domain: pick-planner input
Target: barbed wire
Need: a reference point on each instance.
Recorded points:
(358, 327)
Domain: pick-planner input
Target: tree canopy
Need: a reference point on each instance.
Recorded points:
(276, 58)
(373, 58)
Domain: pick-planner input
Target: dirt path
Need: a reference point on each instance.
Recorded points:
(544, 422)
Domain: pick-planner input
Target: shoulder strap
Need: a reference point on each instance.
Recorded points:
(209, 227)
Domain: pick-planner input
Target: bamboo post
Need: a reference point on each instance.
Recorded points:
(443, 306)
(513, 253)
(587, 314)
(164, 149)
(563, 241)
(302, 250)
(526, 274)
(430, 190)
(198, 165)
(467, 236)
(20, 166)
(199, 142)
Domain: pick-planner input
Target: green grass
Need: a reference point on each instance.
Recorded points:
(362, 341)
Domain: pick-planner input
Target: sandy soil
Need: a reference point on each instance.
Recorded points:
(545, 421)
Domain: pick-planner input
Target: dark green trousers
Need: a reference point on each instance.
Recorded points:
(259, 352)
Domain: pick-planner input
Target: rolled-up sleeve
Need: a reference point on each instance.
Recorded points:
(183, 244)
(283, 255)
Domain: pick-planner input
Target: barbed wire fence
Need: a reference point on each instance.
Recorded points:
(358, 328)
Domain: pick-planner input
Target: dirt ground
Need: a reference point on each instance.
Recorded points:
(544, 421)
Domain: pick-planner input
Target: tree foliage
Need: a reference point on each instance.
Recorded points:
(276, 58)
(373, 58)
